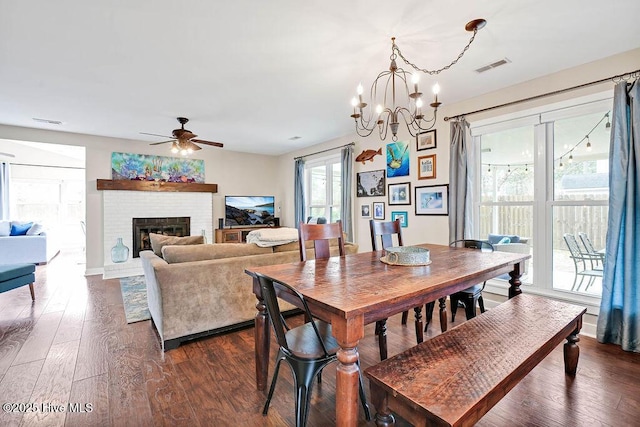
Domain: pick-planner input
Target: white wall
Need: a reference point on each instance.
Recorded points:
(435, 229)
(235, 173)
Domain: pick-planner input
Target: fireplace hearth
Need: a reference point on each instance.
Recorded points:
(170, 226)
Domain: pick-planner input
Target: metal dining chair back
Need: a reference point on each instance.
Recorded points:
(472, 295)
(307, 349)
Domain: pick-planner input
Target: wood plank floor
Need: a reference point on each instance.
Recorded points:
(73, 346)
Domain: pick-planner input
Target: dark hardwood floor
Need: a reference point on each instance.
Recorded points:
(73, 346)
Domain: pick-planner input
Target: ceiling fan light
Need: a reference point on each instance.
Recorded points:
(174, 148)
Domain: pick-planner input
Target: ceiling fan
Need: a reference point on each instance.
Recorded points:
(183, 140)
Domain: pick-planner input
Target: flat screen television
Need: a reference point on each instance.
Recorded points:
(249, 210)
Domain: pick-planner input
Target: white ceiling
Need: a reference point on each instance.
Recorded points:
(253, 74)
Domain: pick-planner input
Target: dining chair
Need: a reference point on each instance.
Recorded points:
(598, 262)
(321, 235)
(472, 295)
(307, 349)
(382, 237)
(580, 260)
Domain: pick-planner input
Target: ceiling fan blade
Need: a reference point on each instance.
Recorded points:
(154, 134)
(215, 144)
(190, 144)
(161, 142)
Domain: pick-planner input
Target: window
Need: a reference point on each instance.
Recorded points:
(323, 188)
(53, 196)
(540, 178)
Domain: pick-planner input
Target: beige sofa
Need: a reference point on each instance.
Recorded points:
(198, 290)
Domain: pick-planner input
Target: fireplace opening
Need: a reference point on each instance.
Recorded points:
(171, 226)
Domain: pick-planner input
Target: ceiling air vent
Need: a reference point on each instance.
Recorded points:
(493, 65)
(50, 122)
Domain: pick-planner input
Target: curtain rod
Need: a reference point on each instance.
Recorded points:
(324, 151)
(615, 79)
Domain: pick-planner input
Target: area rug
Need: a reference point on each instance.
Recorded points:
(134, 297)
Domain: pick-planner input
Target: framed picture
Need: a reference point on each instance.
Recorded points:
(378, 210)
(400, 194)
(403, 216)
(432, 200)
(426, 140)
(371, 184)
(365, 210)
(427, 167)
(397, 159)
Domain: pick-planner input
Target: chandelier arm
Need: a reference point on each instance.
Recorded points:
(395, 48)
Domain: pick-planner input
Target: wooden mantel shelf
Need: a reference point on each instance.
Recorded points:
(175, 187)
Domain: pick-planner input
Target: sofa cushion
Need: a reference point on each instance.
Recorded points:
(20, 229)
(158, 241)
(177, 254)
(5, 228)
(35, 229)
(496, 238)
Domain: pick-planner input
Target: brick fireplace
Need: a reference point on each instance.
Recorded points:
(120, 207)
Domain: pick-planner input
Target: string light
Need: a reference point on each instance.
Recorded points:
(569, 150)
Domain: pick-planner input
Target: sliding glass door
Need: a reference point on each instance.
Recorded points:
(544, 180)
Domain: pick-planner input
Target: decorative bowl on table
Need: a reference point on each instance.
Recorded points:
(406, 255)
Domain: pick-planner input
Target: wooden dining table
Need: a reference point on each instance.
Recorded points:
(354, 290)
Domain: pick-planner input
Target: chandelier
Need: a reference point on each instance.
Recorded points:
(394, 99)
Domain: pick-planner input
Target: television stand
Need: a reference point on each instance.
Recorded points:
(236, 234)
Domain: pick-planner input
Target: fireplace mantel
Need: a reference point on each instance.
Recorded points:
(191, 187)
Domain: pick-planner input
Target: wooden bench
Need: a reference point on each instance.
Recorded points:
(455, 378)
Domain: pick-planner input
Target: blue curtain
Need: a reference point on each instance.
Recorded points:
(461, 176)
(346, 213)
(4, 191)
(618, 321)
(298, 192)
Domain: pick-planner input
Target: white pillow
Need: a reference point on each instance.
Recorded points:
(35, 229)
(5, 228)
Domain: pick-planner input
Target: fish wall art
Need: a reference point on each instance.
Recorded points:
(368, 155)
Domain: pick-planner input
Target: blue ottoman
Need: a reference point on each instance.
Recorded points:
(15, 275)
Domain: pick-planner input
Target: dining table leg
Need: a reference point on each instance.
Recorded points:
(514, 281)
(419, 330)
(443, 314)
(348, 333)
(262, 339)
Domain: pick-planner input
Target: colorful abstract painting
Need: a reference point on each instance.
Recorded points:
(142, 167)
(397, 159)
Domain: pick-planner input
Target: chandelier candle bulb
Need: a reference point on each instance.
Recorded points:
(415, 79)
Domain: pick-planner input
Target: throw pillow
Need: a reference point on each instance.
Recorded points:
(20, 229)
(504, 240)
(158, 241)
(35, 229)
(5, 228)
